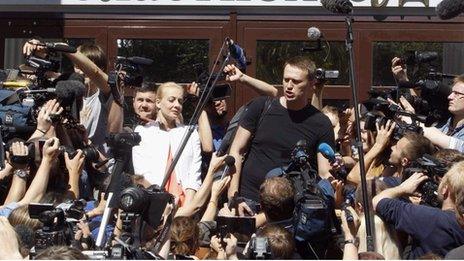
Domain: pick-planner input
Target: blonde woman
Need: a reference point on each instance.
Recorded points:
(159, 142)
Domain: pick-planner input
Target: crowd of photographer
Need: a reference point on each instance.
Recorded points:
(99, 164)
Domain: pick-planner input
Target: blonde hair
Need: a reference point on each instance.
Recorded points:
(20, 216)
(167, 85)
(454, 179)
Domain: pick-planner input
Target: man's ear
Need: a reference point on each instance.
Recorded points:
(444, 191)
(405, 162)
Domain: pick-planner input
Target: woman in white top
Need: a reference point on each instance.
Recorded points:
(160, 141)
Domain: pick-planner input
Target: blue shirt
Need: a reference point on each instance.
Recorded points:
(457, 135)
(431, 229)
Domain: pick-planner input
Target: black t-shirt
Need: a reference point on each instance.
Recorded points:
(431, 229)
(275, 137)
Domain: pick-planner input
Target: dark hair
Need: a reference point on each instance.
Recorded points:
(184, 236)
(280, 240)
(148, 87)
(370, 256)
(449, 156)
(276, 196)
(374, 187)
(417, 147)
(304, 64)
(62, 253)
(95, 53)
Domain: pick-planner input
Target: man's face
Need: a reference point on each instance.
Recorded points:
(295, 83)
(396, 156)
(456, 99)
(144, 105)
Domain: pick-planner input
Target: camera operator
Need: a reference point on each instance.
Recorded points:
(272, 130)
(38, 186)
(407, 149)
(431, 229)
(99, 114)
(450, 134)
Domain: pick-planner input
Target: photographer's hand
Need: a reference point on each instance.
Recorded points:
(74, 167)
(20, 150)
(50, 149)
(193, 89)
(231, 246)
(43, 119)
(409, 186)
(399, 70)
(219, 187)
(31, 47)
(216, 245)
(384, 133)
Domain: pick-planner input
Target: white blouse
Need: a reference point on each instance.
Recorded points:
(151, 155)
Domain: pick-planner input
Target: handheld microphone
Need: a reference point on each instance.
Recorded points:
(237, 53)
(329, 154)
(229, 162)
(59, 47)
(338, 6)
(449, 9)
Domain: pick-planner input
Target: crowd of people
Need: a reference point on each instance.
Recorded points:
(204, 210)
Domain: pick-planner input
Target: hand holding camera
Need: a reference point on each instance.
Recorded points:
(44, 121)
(18, 155)
(51, 149)
(399, 70)
(75, 164)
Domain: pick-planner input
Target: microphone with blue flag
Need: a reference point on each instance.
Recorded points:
(237, 53)
(329, 153)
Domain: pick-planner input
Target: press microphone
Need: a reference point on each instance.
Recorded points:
(329, 154)
(229, 162)
(449, 9)
(58, 47)
(314, 34)
(47, 90)
(14, 84)
(237, 53)
(338, 6)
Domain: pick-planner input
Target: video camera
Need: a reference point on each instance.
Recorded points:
(59, 223)
(323, 75)
(380, 111)
(434, 169)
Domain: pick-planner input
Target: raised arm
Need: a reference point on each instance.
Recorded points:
(39, 184)
(262, 88)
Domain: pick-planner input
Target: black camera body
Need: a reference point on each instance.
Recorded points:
(434, 169)
(58, 223)
(149, 203)
(123, 140)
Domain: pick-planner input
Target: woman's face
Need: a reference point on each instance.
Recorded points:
(170, 104)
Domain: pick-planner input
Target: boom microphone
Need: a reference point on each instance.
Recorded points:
(314, 33)
(338, 6)
(237, 53)
(449, 9)
(59, 47)
(67, 91)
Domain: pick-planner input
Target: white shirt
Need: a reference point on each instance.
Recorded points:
(151, 155)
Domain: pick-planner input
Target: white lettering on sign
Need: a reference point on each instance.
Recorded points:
(301, 3)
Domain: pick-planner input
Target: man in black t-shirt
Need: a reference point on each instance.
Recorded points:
(288, 119)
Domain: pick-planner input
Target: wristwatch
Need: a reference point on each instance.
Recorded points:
(353, 241)
(22, 173)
